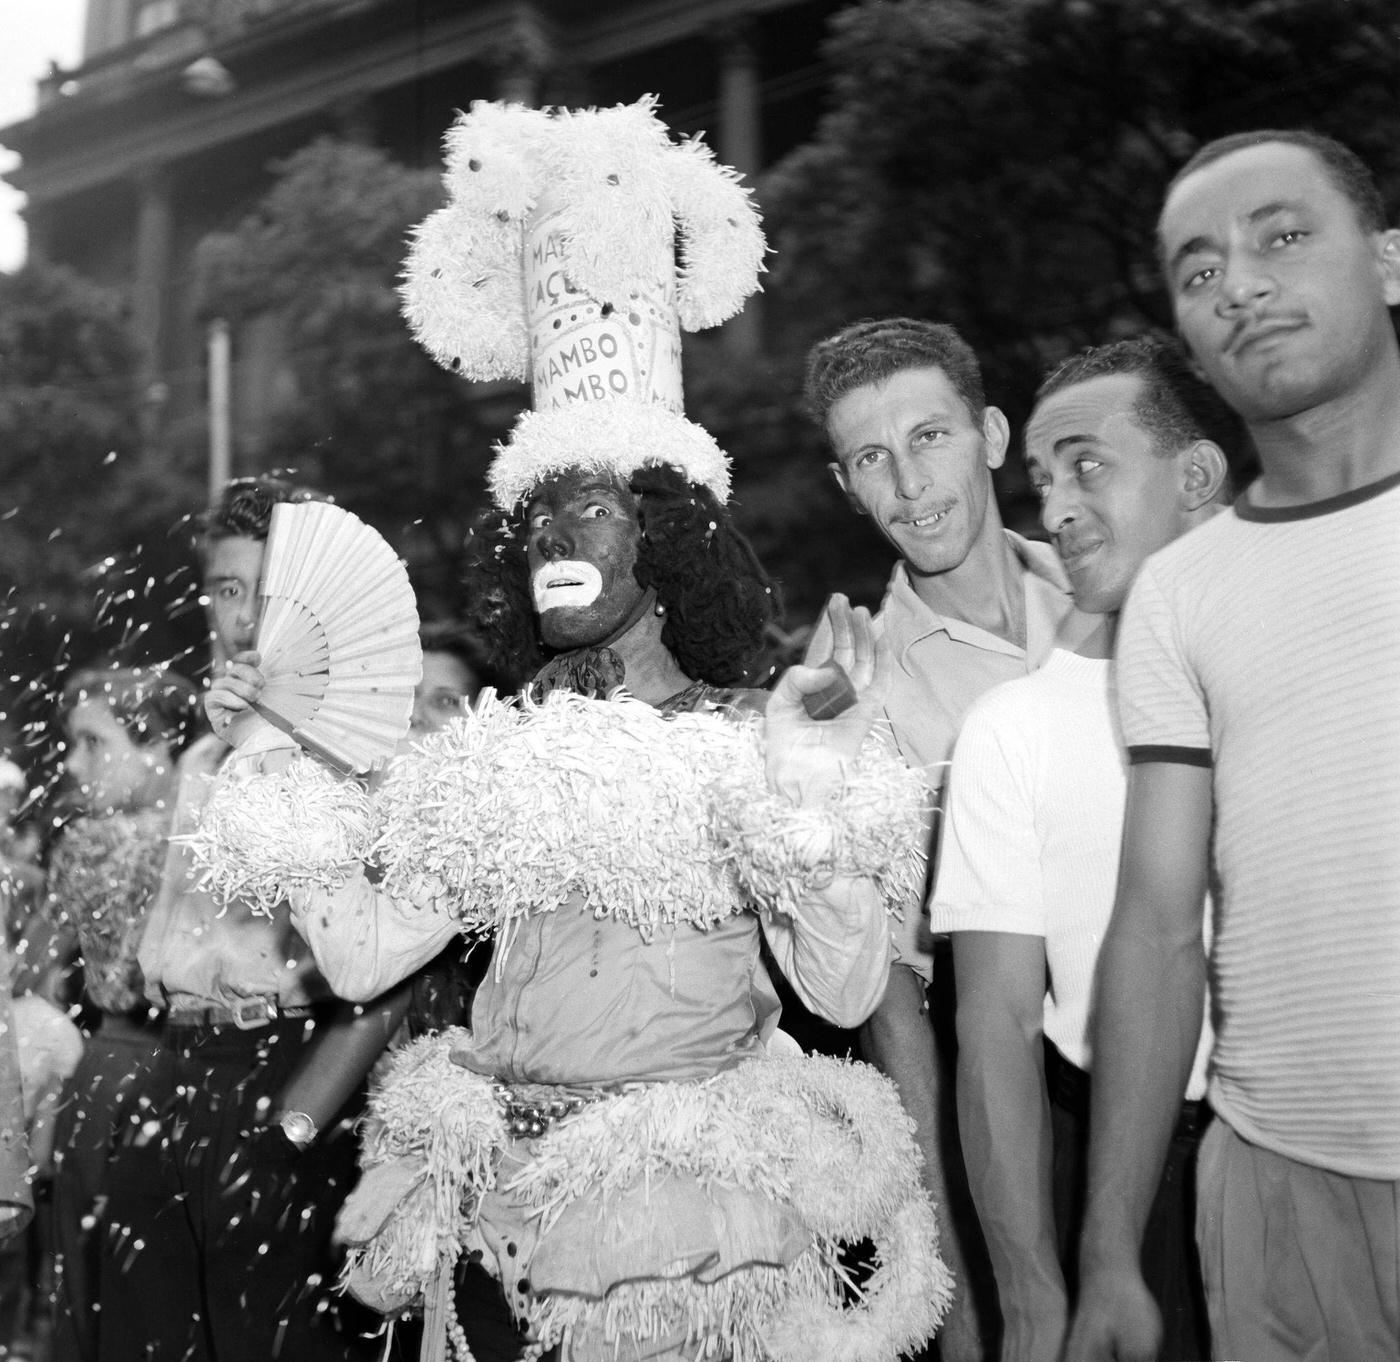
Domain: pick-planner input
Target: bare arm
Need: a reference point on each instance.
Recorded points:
(899, 1040)
(1150, 987)
(1004, 1118)
(345, 1050)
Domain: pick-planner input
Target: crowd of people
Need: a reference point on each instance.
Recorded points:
(1097, 851)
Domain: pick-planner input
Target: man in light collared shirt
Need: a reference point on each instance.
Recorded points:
(969, 605)
(221, 1201)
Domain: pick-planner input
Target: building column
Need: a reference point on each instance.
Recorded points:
(154, 217)
(355, 120)
(108, 25)
(521, 56)
(741, 146)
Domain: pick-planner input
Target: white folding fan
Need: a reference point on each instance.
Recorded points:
(338, 634)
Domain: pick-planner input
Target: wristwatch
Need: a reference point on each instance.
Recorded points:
(299, 1128)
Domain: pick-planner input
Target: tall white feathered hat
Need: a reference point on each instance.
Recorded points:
(575, 247)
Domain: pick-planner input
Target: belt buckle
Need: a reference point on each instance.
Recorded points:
(252, 1013)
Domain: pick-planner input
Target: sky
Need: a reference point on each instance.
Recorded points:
(33, 33)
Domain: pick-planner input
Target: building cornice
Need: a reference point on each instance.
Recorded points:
(137, 114)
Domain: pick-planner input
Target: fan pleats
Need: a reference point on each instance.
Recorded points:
(338, 634)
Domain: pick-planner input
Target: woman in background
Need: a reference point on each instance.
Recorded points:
(123, 729)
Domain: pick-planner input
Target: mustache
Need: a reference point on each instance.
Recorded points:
(1253, 327)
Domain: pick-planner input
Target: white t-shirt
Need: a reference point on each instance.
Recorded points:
(1033, 822)
(1266, 644)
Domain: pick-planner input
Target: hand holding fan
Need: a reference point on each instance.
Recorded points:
(338, 634)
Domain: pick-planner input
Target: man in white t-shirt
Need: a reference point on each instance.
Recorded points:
(1259, 695)
(1123, 449)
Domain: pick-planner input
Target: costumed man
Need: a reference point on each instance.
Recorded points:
(620, 1137)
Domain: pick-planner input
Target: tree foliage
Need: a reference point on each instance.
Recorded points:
(87, 562)
(999, 163)
(374, 422)
(994, 163)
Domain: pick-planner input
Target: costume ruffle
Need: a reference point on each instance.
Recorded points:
(762, 1173)
(517, 807)
(262, 834)
(632, 195)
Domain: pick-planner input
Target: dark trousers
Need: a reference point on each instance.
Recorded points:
(1170, 1265)
(218, 1246)
(98, 1102)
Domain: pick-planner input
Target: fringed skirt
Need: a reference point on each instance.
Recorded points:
(700, 1220)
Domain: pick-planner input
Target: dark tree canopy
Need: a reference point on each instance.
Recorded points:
(87, 561)
(374, 422)
(999, 164)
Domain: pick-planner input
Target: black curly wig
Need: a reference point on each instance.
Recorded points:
(718, 599)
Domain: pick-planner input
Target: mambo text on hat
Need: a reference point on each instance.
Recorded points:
(582, 350)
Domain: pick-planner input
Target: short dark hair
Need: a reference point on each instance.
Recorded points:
(872, 351)
(1347, 171)
(244, 507)
(152, 704)
(1174, 407)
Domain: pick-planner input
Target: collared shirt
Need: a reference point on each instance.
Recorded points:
(197, 952)
(941, 665)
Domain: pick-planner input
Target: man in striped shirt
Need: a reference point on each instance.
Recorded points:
(1259, 696)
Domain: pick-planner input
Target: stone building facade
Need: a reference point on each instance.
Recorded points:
(168, 128)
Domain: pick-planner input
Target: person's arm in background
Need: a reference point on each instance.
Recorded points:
(1004, 1119)
(345, 1050)
(1150, 986)
(45, 951)
(989, 899)
(16, 1192)
(899, 1040)
(46, 955)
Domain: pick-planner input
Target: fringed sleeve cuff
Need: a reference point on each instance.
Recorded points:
(873, 827)
(265, 834)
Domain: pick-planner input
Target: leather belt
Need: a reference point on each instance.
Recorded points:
(1069, 1087)
(247, 1015)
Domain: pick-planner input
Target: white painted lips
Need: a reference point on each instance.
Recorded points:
(570, 583)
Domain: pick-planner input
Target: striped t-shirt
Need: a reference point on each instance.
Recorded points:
(1267, 643)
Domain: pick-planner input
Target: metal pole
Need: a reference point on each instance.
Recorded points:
(220, 434)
